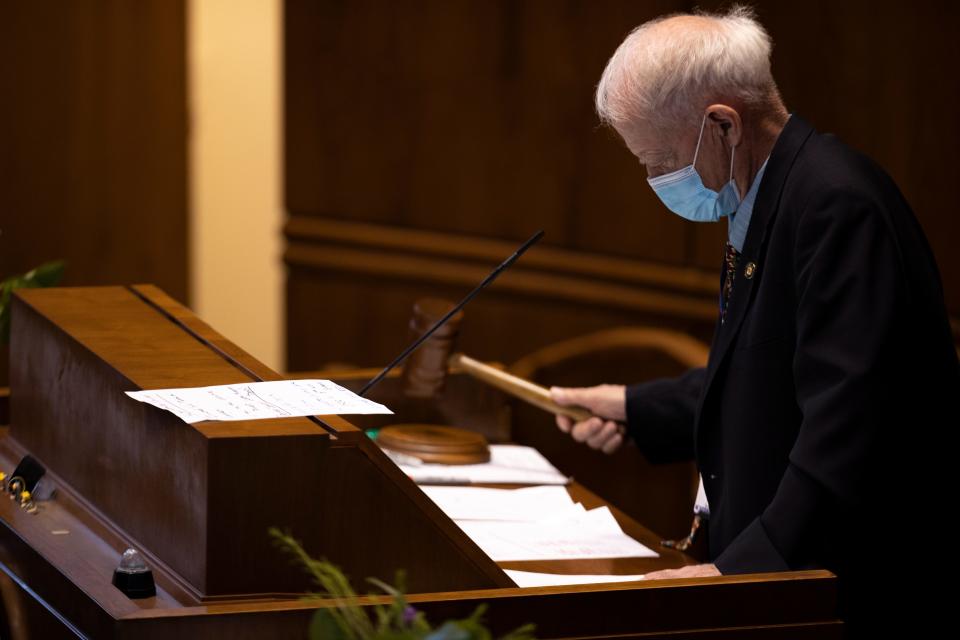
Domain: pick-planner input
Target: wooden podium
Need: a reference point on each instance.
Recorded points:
(197, 500)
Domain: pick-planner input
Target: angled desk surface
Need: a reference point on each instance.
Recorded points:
(197, 500)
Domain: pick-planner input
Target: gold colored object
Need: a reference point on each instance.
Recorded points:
(750, 269)
(25, 498)
(685, 543)
(14, 487)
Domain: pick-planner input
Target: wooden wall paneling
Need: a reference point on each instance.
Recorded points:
(93, 124)
(372, 275)
(475, 121)
(501, 326)
(610, 209)
(466, 117)
(874, 74)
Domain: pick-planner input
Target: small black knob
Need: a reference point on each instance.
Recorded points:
(133, 577)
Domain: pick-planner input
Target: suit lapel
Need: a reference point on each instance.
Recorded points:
(791, 139)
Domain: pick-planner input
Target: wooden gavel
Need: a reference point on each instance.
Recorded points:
(425, 371)
(516, 386)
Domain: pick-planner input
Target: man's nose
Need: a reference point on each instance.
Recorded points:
(654, 171)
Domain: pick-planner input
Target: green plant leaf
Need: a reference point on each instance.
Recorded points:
(351, 618)
(46, 275)
(347, 620)
(524, 632)
(324, 626)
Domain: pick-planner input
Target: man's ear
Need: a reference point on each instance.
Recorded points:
(728, 122)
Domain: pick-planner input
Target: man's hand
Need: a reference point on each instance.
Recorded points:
(608, 403)
(691, 571)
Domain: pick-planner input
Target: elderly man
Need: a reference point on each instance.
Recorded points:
(820, 424)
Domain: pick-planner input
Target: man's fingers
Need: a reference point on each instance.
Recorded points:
(659, 575)
(599, 438)
(584, 430)
(613, 443)
(597, 433)
(689, 571)
(605, 400)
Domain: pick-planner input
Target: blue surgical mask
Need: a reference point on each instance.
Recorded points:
(684, 193)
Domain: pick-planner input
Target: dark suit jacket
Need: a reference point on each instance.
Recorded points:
(823, 423)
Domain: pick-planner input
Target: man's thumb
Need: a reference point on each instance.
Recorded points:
(566, 395)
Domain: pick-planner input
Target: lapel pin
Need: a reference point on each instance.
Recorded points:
(750, 269)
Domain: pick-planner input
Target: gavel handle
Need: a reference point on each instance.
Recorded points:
(516, 386)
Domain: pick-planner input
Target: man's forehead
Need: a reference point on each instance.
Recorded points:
(654, 146)
(644, 143)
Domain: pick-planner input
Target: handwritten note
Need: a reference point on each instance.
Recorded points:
(258, 400)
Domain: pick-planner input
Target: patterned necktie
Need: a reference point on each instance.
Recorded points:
(730, 258)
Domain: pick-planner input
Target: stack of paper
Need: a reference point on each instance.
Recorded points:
(534, 579)
(592, 534)
(508, 464)
(532, 523)
(530, 504)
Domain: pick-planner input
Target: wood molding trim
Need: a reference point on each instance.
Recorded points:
(429, 256)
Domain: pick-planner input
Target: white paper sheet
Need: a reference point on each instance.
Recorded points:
(509, 463)
(529, 504)
(257, 400)
(593, 534)
(533, 579)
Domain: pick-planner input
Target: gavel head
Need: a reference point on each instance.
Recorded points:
(425, 370)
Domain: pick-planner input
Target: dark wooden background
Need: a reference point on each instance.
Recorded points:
(425, 139)
(93, 141)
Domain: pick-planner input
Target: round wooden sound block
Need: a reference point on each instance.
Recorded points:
(438, 444)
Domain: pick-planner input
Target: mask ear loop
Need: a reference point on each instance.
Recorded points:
(733, 151)
(699, 139)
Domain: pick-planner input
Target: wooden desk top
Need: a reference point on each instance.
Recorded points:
(86, 547)
(83, 548)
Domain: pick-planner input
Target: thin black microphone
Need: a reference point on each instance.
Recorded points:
(439, 323)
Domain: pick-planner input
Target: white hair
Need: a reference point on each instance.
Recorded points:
(666, 73)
